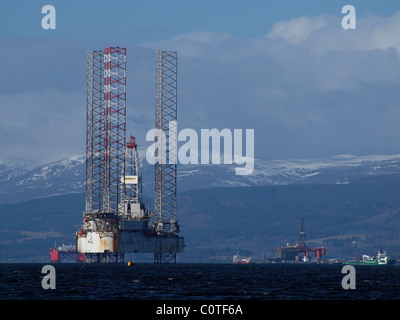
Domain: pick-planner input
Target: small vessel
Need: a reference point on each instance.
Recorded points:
(381, 259)
(131, 263)
(239, 259)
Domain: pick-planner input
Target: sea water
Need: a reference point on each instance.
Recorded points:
(75, 281)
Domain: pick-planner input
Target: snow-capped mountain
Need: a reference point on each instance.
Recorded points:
(20, 182)
(341, 169)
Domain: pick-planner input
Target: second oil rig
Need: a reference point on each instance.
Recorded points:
(300, 251)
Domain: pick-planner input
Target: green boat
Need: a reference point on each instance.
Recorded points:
(381, 259)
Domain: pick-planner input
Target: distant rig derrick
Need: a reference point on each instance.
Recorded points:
(115, 220)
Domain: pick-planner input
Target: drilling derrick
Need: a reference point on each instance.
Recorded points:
(94, 132)
(302, 241)
(166, 151)
(105, 154)
(114, 126)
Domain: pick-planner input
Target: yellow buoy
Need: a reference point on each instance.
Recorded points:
(131, 263)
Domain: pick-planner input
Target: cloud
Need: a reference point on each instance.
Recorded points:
(196, 44)
(34, 64)
(297, 30)
(307, 87)
(322, 34)
(43, 101)
(41, 125)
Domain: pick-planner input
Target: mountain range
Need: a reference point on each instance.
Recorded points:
(22, 181)
(350, 204)
(348, 219)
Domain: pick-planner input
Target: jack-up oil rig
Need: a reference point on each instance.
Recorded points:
(115, 220)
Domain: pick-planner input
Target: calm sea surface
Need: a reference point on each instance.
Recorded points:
(198, 281)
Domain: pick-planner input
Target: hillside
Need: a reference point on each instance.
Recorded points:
(348, 219)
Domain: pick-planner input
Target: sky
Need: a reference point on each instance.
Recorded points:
(287, 69)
